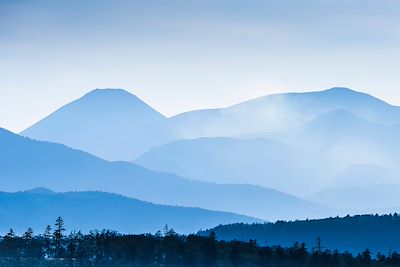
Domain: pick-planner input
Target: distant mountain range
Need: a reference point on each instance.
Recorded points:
(228, 160)
(317, 145)
(28, 164)
(343, 136)
(97, 210)
(281, 112)
(116, 125)
(312, 154)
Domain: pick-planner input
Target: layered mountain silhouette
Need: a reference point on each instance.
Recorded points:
(344, 136)
(110, 123)
(280, 112)
(116, 125)
(365, 188)
(299, 143)
(227, 160)
(383, 198)
(87, 211)
(365, 175)
(28, 164)
(311, 154)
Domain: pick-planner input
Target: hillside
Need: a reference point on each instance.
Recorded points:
(344, 139)
(279, 112)
(98, 210)
(110, 123)
(344, 136)
(354, 234)
(28, 164)
(116, 125)
(257, 161)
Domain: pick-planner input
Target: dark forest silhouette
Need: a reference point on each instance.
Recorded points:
(350, 233)
(167, 248)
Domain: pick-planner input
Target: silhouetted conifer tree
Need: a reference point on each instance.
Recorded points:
(58, 236)
(47, 235)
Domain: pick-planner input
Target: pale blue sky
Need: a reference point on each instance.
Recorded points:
(184, 55)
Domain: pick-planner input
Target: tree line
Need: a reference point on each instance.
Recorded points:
(167, 248)
(378, 233)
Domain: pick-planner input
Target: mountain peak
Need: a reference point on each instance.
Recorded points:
(115, 91)
(114, 100)
(111, 94)
(340, 90)
(114, 116)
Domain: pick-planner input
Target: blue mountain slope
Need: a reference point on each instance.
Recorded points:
(110, 123)
(361, 199)
(341, 135)
(116, 125)
(365, 175)
(281, 112)
(227, 160)
(98, 210)
(366, 188)
(27, 164)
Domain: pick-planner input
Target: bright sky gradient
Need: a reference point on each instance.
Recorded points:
(179, 55)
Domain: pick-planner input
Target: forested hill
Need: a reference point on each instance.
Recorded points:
(353, 234)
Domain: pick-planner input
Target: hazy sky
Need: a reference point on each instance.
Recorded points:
(184, 55)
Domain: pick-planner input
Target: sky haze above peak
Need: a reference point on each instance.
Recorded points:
(183, 55)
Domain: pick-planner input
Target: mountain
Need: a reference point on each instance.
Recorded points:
(362, 187)
(227, 160)
(365, 175)
(116, 125)
(98, 210)
(28, 164)
(343, 136)
(110, 123)
(353, 234)
(366, 199)
(280, 112)
(366, 188)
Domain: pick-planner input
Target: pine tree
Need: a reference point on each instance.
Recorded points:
(47, 235)
(10, 245)
(10, 234)
(212, 235)
(318, 248)
(58, 236)
(366, 257)
(166, 229)
(28, 235)
(210, 250)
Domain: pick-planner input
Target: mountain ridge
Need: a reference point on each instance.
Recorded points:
(80, 211)
(257, 161)
(128, 134)
(29, 164)
(114, 116)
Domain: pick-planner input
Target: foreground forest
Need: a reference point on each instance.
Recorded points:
(108, 248)
(350, 233)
